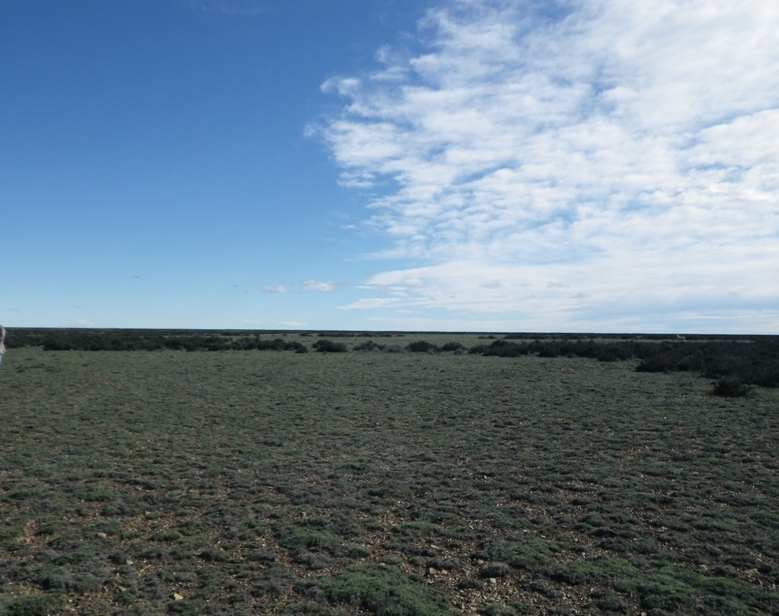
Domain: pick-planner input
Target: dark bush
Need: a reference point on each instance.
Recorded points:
(421, 346)
(256, 344)
(731, 387)
(328, 346)
(500, 348)
(66, 579)
(444, 564)
(453, 347)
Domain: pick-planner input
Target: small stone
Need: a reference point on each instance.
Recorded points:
(129, 562)
(493, 580)
(102, 536)
(177, 597)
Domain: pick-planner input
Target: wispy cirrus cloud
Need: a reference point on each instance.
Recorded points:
(322, 287)
(238, 8)
(575, 164)
(273, 288)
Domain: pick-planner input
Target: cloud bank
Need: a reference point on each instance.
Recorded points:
(595, 165)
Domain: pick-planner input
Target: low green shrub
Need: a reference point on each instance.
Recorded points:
(418, 527)
(591, 571)
(496, 609)
(444, 564)
(381, 590)
(731, 387)
(494, 570)
(32, 605)
(527, 554)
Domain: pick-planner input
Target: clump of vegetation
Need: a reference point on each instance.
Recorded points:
(498, 609)
(328, 346)
(731, 387)
(530, 553)
(494, 570)
(453, 347)
(422, 346)
(382, 590)
(31, 605)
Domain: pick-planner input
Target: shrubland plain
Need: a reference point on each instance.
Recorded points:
(425, 475)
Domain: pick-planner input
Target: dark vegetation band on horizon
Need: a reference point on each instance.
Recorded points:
(737, 362)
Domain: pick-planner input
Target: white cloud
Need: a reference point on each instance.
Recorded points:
(273, 288)
(322, 287)
(584, 167)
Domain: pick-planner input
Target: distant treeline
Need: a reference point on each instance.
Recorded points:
(736, 361)
(147, 340)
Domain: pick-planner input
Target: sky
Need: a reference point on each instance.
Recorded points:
(431, 165)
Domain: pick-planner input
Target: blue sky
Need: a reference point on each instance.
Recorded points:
(479, 165)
